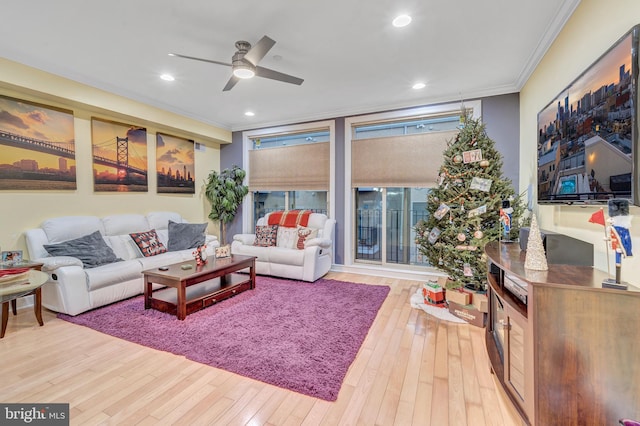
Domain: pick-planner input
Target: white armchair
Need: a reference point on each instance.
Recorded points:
(308, 264)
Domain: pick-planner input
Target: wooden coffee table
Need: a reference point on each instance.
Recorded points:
(198, 287)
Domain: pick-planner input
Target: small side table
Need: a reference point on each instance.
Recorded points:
(28, 285)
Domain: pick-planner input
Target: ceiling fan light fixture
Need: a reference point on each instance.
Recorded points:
(243, 71)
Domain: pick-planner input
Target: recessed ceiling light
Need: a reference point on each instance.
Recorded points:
(419, 86)
(167, 77)
(401, 21)
(249, 113)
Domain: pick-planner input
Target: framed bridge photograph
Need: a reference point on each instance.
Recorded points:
(119, 153)
(37, 146)
(175, 165)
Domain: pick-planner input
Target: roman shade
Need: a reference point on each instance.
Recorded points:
(409, 161)
(292, 168)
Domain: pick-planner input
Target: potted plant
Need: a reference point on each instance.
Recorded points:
(225, 192)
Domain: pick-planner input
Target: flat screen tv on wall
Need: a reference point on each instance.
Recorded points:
(588, 135)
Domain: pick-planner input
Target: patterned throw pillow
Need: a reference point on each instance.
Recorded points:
(305, 234)
(148, 243)
(287, 237)
(266, 236)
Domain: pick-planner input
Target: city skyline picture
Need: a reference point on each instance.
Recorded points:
(175, 164)
(585, 135)
(119, 153)
(37, 146)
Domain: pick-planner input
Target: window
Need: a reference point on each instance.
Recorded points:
(288, 168)
(270, 201)
(395, 158)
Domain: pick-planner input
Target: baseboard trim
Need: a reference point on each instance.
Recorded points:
(380, 271)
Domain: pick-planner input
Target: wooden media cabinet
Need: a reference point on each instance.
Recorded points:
(569, 355)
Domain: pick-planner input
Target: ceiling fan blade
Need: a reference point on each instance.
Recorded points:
(275, 75)
(257, 52)
(232, 82)
(211, 61)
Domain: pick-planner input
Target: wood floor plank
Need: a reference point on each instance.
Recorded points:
(412, 369)
(317, 413)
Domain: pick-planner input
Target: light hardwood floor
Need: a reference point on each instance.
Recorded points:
(412, 369)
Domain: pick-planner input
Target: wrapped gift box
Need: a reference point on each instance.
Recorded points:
(468, 313)
(459, 296)
(433, 293)
(480, 302)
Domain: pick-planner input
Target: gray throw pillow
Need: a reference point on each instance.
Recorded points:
(183, 236)
(91, 249)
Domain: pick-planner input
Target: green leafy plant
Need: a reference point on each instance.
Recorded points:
(225, 191)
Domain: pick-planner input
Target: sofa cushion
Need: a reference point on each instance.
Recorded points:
(123, 246)
(304, 234)
(160, 220)
(113, 273)
(266, 236)
(261, 253)
(318, 221)
(286, 256)
(183, 236)
(66, 228)
(287, 237)
(123, 224)
(148, 243)
(165, 259)
(91, 249)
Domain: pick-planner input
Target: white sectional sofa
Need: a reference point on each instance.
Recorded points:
(308, 264)
(73, 288)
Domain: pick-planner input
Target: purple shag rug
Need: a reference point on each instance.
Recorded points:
(292, 334)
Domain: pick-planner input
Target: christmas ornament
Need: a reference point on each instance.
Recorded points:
(477, 211)
(478, 234)
(484, 163)
(467, 270)
(442, 210)
(461, 237)
(457, 158)
(481, 184)
(472, 156)
(433, 235)
(469, 248)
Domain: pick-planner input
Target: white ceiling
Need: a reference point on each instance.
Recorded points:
(351, 58)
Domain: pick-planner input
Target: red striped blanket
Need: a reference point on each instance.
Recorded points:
(289, 218)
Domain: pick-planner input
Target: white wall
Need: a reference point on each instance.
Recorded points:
(594, 27)
(21, 210)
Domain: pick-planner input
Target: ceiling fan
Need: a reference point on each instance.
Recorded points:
(244, 63)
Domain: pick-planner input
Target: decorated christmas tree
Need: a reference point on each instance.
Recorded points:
(471, 205)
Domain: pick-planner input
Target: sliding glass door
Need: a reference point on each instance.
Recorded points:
(399, 209)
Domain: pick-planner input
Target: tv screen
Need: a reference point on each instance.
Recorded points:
(587, 135)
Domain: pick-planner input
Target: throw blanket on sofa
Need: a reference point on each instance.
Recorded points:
(290, 218)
